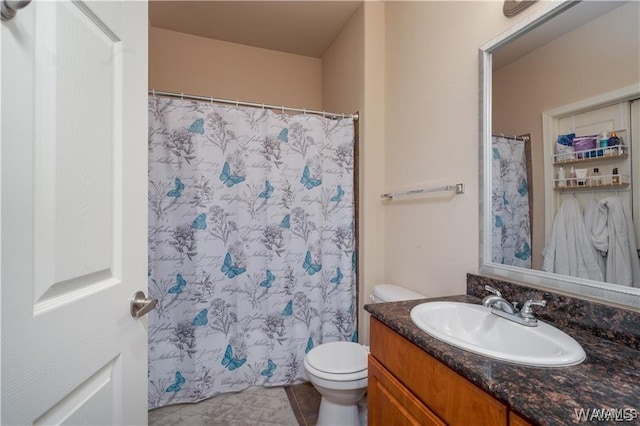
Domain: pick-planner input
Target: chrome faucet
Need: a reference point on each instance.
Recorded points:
(500, 307)
(497, 301)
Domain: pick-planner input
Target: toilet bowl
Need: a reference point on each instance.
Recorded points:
(338, 370)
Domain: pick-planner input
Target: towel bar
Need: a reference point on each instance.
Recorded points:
(458, 188)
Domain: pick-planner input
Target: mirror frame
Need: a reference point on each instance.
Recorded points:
(627, 297)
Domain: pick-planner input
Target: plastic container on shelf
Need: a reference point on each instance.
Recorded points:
(614, 140)
(596, 180)
(571, 177)
(585, 146)
(603, 144)
(562, 179)
(614, 145)
(564, 147)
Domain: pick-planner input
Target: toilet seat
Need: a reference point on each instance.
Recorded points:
(339, 361)
(338, 358)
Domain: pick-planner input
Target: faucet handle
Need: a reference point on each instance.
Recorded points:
(527, 312)
(492, 290)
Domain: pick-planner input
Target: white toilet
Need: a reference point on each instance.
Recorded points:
(338, 370)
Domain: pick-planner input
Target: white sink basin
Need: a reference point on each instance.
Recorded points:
(475, 329)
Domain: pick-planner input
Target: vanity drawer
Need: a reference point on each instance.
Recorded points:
(452, 397)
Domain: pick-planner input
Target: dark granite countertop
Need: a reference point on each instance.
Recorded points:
(608, 378)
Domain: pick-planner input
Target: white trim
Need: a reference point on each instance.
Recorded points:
(595, 102)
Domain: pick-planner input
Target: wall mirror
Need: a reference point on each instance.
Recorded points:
(566, 58)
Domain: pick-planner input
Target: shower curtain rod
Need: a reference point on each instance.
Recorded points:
(518, 138)
(282, 108)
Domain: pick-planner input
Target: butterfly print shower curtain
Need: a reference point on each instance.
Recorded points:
(511, 227)
(251, 246)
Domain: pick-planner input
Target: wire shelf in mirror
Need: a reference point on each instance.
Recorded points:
(594, 154)
(585, 188)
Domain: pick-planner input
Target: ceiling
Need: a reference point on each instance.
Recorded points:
(300, 27)
(578, 15)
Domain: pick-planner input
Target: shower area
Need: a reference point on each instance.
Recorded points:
(251, 245)
(252, 213)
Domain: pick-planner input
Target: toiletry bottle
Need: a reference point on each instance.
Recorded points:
(595, 177)
(581, 177)
(613, 143)
(562, 182)
(615, 179)
(603, 144)
(571, 181)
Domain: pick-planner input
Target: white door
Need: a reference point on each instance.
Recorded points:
(73, 213)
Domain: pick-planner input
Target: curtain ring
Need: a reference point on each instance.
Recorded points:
(154, 93)
(237, 103)
(182, 96)
(212, 100)
(282, 109)
(324, 115)
(263, 105)
(343, 115)
(304, 111)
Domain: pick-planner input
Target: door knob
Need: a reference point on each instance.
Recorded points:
(141, 305)
(9, 8)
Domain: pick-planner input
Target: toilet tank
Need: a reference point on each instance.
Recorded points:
(393, 293)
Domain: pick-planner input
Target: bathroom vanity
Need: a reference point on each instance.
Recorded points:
(396, 393)
(417, 379)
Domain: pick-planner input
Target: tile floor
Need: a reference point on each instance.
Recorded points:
(305, 401)
(252, 407)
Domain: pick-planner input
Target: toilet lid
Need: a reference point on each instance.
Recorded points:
(338, 358)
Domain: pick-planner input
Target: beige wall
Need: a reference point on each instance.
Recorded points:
(186, 63)
(343, 68)
(432, 110)
(343, 91)
(353, 80)
(372, 160)
(596, 58)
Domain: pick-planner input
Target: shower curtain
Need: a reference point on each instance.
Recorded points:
(251, 245)
(511, 226)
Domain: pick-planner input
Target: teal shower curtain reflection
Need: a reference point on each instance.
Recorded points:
(511, 225)
(251, 245)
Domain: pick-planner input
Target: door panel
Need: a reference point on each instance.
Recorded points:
(73, 220)
(75, 130)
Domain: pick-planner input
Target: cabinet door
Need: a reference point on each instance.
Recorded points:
(390, 403)
(516, 420)
(455, 399)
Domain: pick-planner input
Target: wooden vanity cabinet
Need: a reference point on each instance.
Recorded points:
(407, 386)
(394, 404)
(516, 420)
